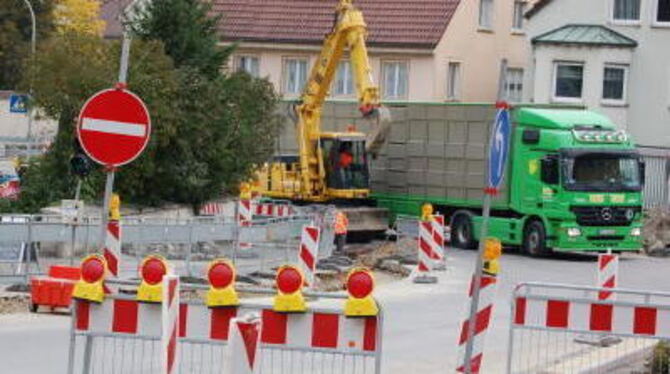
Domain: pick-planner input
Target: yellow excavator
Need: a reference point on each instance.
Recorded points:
(332, 167)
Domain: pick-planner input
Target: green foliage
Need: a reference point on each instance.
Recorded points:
(207, 132)
(15, 36)
(660, 359)
(190, 35)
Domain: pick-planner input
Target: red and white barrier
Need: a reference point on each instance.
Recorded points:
(487, 296)
(211, 209)
(170, 324)
(243, 346)
(608, 269)
(265, 209)
(311, 329)
(112, 250)
(426, 247)
(273, 210)
(309, 252)
(244, 212)
(584, 316)
(438, 242)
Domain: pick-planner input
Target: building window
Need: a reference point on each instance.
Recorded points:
(344, 84)
(295, 75)
(247, 64)
(395, 79)
(569, 79)
(519, 9)
(614, 83)
(486, 14)
(514, 85)
(454, 81)
(662, 11)
(626, 10)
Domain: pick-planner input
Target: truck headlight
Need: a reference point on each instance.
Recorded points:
(636, 232)
(573, 232)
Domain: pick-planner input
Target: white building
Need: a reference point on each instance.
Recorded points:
(614, 57)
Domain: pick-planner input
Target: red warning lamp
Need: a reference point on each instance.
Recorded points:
(221, 275)
(93, 269)
(289, 281)
(152, 271)
(360, 285)
(89, 287)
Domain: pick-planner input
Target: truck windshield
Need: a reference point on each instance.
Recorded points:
(602, 172)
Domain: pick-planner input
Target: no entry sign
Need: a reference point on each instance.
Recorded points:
(114, 127)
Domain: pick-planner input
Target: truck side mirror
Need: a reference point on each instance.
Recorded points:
(549, 170)
(643, 171)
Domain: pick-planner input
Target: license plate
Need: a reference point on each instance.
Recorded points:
(607, 232)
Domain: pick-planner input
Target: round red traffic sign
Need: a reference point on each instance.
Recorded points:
(114, 127)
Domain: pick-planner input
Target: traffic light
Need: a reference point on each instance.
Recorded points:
(152, 271)
(90, 285)
(80, 165)
(360, 284)
(289, 282)
(221, 276)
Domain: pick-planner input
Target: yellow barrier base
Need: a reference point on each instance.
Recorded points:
(89, 291)
(221, 297)
(150, 293)
(365, 307)
(294, 303)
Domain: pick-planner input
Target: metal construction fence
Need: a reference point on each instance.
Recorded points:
(267, 243)
(557, 328)
(122, 335)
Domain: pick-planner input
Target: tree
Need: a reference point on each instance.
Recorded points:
(208, 133)
(190, 35)
(15, 36)
(78, 16)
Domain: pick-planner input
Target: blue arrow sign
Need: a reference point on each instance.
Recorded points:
(499, 148)
(18, 103)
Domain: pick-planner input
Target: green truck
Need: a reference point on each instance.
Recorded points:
(573, 181)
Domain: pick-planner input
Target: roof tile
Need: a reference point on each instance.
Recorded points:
(400, 23)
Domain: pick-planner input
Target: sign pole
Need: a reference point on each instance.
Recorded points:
(476, 283)
(109, 183)
(498, 148)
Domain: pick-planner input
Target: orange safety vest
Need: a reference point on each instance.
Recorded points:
(341, 223)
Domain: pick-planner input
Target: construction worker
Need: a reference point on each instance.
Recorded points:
(341, 226)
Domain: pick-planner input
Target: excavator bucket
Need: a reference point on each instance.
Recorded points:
(381, 126)
(366, 219)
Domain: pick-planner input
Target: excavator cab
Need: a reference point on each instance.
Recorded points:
(345, 162)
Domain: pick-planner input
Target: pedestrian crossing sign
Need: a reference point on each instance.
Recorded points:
(18, 103)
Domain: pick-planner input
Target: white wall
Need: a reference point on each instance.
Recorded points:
(648, 114)
(594, 60)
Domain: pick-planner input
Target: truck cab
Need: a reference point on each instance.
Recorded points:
(575, 182)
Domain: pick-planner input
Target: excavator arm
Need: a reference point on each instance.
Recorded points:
(349, 31)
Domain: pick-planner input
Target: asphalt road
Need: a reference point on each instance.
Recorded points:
(421, 321)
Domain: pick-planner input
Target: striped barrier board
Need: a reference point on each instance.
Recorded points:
(426, 248)
(112, 250)
(314, 329)
(438, 241)
(211, 209)
(120, 325)
(308, 254)
(487, 294)
(608, 269)
(245, 213)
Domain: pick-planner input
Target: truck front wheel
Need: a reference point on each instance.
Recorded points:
(535, 239)
(462, 231)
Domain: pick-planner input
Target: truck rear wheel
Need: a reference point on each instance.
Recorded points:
(462, 231)
(535, 239)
